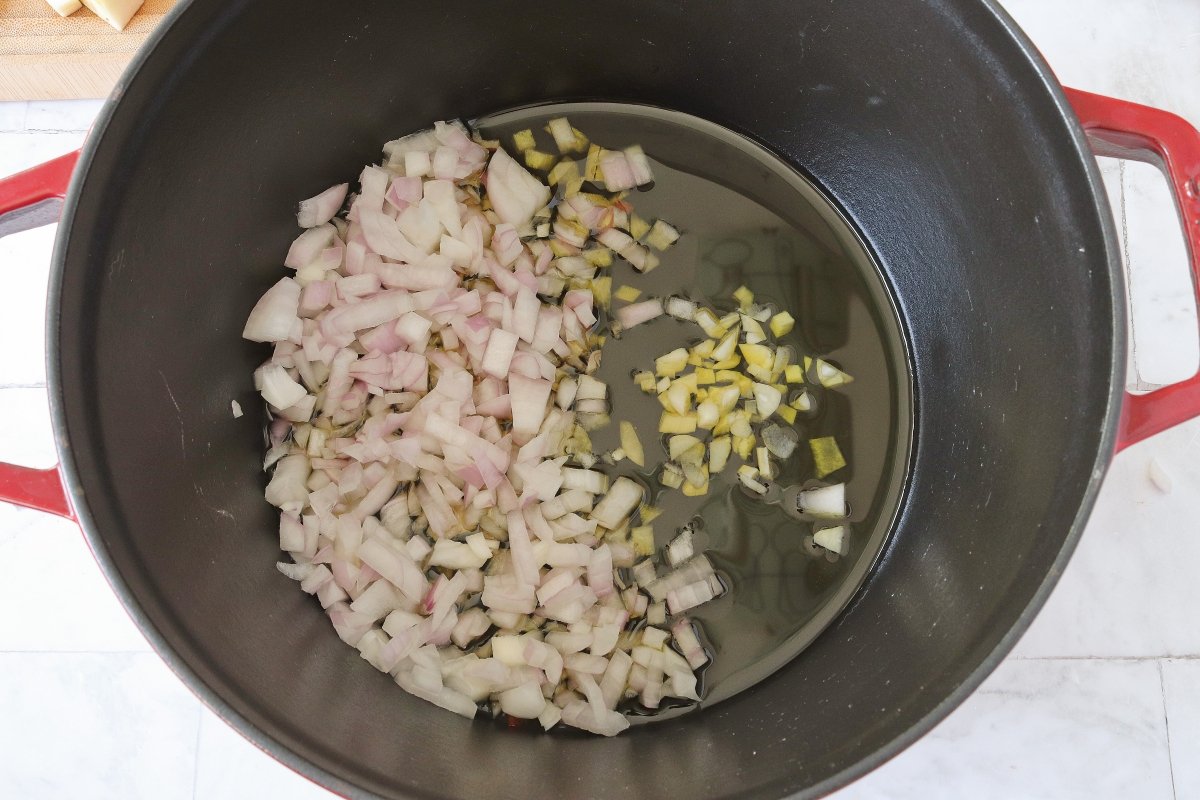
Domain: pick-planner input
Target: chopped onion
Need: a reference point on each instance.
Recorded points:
(419, 460)
(693, 594)
(618, 503)
(274, 315)
(639, 164)
(524, 701)
(550, 716)
(587, 480)
(699, 568)
(680, 549)
(637, 313)
(498, 356)
(579, 714)
(689, 643)
(279, 389)
(680, 308)
(309, 245)
(320, 209)
(515, 194)
(529, 398)
(600, 571)
(287, 489)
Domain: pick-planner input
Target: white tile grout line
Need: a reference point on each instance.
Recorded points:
(1164, 657)
(80, 653)
(196, 756)
(1162, 683)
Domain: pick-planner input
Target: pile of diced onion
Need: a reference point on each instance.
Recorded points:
(431, 390)
(432, 374)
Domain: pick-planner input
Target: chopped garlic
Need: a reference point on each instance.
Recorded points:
(766, 399)
(744, 297)
(649, 513)
(752, 331)
(677, 398)
(523, 140)
(631, 444)
(748, 476)
(567, 138)
(676, 423)
(627, 294)
(803, 402)
(764, 462)
(835, 540)
(602, 291)
(680, 444)
(830, 376)
(671, 475)
(638, 227)
(781, 324)
(827, 456)
(642, 539)
(708, 322)
(661, 235)
(563, 172)
(598, 257)
(758, 355)
(718, 453)
(727, 347)
(672, 363)
(535, 159)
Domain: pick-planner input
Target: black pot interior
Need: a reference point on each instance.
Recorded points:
(926, 122)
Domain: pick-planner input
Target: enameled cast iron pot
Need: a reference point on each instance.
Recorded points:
(933, 124)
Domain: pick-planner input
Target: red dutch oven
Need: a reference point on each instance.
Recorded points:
(933, 126)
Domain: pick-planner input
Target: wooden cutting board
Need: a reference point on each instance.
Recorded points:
(47, 57)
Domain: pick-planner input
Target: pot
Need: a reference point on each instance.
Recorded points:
(933, 125)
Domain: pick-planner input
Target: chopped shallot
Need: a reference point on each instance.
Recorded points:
(431, 386)
(322, 208)
(637, 313)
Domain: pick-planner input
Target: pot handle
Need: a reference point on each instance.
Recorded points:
(1121, 129)
(30, 199)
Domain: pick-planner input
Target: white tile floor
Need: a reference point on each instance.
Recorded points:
(1100, 700)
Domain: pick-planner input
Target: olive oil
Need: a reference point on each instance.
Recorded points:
(749, 218)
